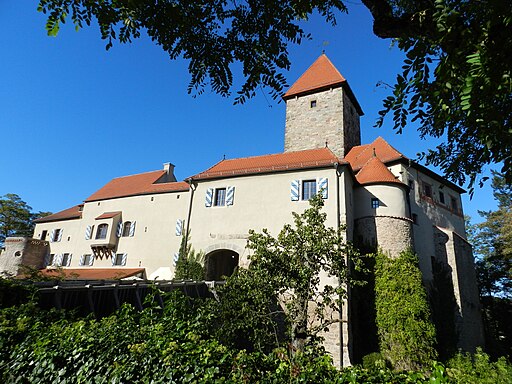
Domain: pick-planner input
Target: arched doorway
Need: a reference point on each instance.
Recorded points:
(220, 263)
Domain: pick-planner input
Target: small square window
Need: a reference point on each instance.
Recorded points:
(87, 259)
(220, 197)
(118, 259)
(312, 104)
(441, 197)
(308, 189)
(375, 203)
(66, 260)
(56, 235)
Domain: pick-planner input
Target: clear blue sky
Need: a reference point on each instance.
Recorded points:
(73, 116)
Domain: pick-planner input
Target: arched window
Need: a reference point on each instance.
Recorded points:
(101, 233)
(126, 228)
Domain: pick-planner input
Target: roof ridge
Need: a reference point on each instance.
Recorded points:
(138, 174)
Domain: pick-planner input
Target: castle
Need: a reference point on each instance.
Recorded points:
(133, 226)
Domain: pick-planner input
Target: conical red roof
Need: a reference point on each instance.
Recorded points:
(374, 171)
(321, 74)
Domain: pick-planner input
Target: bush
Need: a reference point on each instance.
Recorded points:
(468, 369)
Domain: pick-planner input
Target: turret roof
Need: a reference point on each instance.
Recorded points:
(374, 171)
(321, 75)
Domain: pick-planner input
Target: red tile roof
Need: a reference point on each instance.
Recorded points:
(67, 214)
(321, 74)
(311, 158)
(359, 156)
(108, 215)
(113, 273)
(141, 184)
(374, 171)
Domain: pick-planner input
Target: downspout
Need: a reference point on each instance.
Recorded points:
(192, 185)
(338, 223)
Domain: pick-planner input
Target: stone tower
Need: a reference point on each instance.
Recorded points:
(320, 109)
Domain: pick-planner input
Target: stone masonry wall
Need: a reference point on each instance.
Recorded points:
(333, 120)
(457, 253)
(391, 234)
(22, 251)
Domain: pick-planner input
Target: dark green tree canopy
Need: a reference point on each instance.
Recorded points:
(456, 79)
(16, 217)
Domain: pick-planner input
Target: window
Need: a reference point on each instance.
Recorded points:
(427, 190)
(57, 235)
(51, 259)
(127, 228)
(220, 197)
(119, 259)
(101, 233)
(454, 205)
(87, 260)
(312, 104)
(66, 260)
(441, 197)
(375, 203)
(308, 189)
(43, 234)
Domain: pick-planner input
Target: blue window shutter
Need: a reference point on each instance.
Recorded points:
(119, 228)
(113, 258)
(230, 198)
(51, 235)
(132, 229)
(209, 197)
(82, 259)
(123, 259)
(60, 235)
(91, 260)
(294, 190)
(69, 260)
(322, 186)
(57, 260)
(88, 231)
(179, 227)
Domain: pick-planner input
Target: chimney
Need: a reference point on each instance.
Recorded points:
(169, 170)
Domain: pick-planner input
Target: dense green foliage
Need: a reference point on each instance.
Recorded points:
(16, 217)
(456, 80)
(492, 247)
(175, 344)
(406, 333)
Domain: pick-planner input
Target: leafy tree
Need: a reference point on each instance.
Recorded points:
(190, 264)
(406, 334)
(16, 218)
(294, 265)
(492, 246)
(456, 79)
